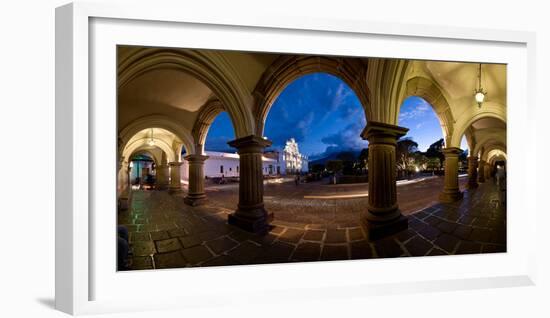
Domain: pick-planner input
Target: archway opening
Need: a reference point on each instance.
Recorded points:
(420, 152)
(142, 171)
(317, 152)
(420, 155)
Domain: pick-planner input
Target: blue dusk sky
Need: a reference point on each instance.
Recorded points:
(324, 115)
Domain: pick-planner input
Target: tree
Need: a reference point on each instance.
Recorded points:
(404, 150)
(364, 159)
(436, 151)
(335, 166)
(318, 167)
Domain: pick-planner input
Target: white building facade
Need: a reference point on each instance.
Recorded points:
(227, 164)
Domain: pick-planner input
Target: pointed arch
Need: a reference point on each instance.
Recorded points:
(204, 120)
(387, 89)
(288, 68)
(466, 119)
(156, 121)
(434, 95)
(210, 67)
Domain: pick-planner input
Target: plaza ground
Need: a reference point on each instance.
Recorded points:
(312, 223)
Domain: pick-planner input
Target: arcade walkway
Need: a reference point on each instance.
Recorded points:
(165, 233)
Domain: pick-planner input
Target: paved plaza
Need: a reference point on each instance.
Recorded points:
(165, 233)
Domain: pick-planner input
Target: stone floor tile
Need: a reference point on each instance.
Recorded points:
(335, 236)
(468, 247)
(334, 252)
(417, 246)
(436, 251)
(143, 248)
(159, 235)
(221, 245)
(388, 248)
(430, 233)
(168, 245)
(462, 231)
(360, 250)
(196, 254)
(356, 234)
(190, 240)
(446, 242)
(446, 227)
(245, 252)
(307, 251)
(141, 262)
(291, 235)
(314, 235)
(175, 232)
(170, 260)
(139, 236)
(222, 260)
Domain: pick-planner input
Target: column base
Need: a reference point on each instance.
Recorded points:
(161, 187)
(255, 225)
(449, 197)
(379, 230)
(175, 190)
(195, 200)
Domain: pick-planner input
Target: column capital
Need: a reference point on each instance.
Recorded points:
(175, 164)
(196, 158)
(376, 132)
(250, 144)
(451, 151)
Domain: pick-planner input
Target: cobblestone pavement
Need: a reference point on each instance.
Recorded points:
(165, 233)
(287, 201)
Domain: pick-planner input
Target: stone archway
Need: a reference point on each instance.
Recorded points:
(433, 95)
(157, 121)
(465, 121)
(288, 68)
(208, 66)
(206, 116)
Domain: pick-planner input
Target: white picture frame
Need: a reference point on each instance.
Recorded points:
(84, 35)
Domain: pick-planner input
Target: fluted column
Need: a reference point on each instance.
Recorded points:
(383, 216)
(195, 195)
(472, 172)
(163, 178)
(175, 176)
(251, 214)
(481, 171)
(451, 191)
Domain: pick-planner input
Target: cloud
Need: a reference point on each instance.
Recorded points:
(297, 128)
(416, 109)
(346, 138)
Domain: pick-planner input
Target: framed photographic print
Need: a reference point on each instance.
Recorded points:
(251, 159)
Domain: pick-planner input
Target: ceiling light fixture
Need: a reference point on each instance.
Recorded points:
(151, 141)
(479, 93)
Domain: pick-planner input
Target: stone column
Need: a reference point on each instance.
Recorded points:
(383, 216)
(472, 172)
(163, 176)
(481, 171)
(451, 192)
(175, 176)
(124, 187)
(195, 194)
(251, 214)
(488, 168)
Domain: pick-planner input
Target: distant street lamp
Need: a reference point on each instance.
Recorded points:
(479, 93)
